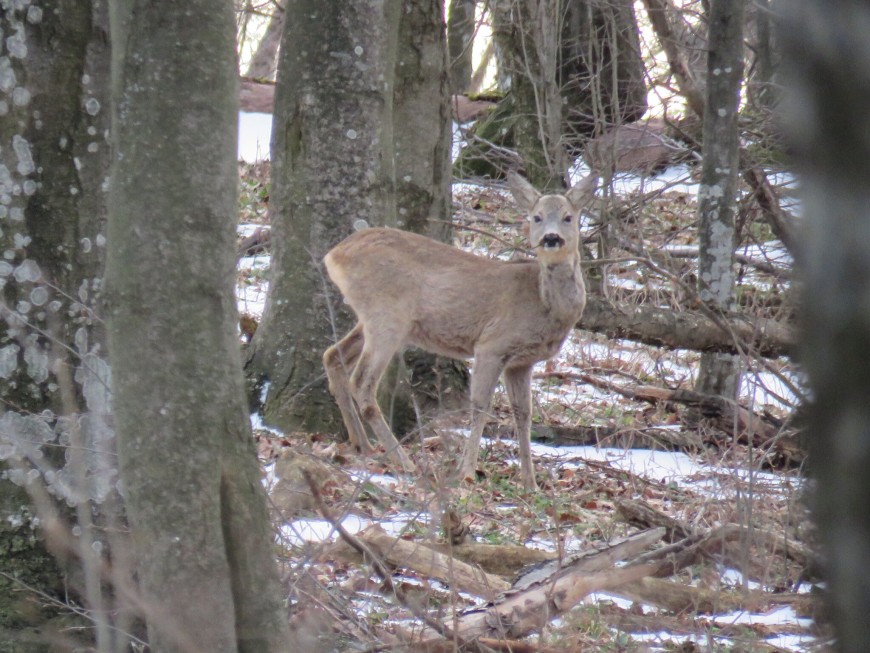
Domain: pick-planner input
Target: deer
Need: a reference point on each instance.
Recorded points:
(409, 290)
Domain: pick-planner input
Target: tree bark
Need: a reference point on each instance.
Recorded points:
(264, 62)
(571, 66)
(53, 164)
(198, 514)
(332, 165)
(460, 34)
(827, 48)
(661, 14)
(717, 195)
(527, 34)
(763, 85)
(687, 330)
(422, 142)
(421, 118)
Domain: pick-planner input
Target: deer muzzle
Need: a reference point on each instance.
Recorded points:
(552, 241)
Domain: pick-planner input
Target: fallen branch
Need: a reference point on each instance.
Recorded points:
(693, 252)
(380, 569)
(432, 564)
(780, 222)
(758, 430)
(680, 627)
(537, 598)
(686, 330)
(504, 560)
(681, 598)
(728, 542)
(626, 437)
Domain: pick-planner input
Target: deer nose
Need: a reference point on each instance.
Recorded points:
(552, 240)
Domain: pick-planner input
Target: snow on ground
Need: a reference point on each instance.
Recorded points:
(253, 281)
(582, 352)
(255, 133)
(318, 531)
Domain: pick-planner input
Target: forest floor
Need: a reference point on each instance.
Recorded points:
(617, 453)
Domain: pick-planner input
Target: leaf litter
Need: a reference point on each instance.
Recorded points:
(603, 459)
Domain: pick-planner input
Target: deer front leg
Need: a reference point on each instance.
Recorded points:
(517, 382)
(484, 376)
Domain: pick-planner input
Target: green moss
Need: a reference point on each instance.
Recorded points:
(30, 578)
(479, 158)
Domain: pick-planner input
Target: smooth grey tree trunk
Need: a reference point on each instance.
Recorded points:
(197, 510)
(264, 62)
(54, 160)
(332, 165)
(719, 374)
(827, 55)
(460, 33)
(422, 142)
(763, 87)
(421, 117)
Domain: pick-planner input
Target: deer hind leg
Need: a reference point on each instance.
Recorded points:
(376, 355)
(339, 361)
(517, 381)
(484, 377)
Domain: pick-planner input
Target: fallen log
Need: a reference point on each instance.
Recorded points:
(544, 594)
(504, 560)
(661, 327)
(681, 598)
(604, 435)
(433, 564)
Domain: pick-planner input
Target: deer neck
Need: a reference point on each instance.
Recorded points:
(562, 290)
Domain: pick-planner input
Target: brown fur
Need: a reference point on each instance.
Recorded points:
(410, 290)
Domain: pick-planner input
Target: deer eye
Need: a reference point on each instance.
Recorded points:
(536, 219)
(567, 219)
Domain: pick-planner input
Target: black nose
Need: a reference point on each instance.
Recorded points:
(552, 240)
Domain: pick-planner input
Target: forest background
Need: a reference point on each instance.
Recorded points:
(133, 509)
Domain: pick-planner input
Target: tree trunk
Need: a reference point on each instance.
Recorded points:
(332, 165)
(422, 137)
(682, 51)
(53, 164)
(719, 373)
(191, 480)
(763, 81)
(264, 62)
(460, 34)
(572, 66)
(421, 118)
(829, 96)
(528, 35)
(601, 70)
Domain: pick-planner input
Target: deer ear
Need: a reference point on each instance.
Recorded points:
(582, 192)
(524, 193)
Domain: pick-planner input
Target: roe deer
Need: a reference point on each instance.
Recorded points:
(407, 289)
